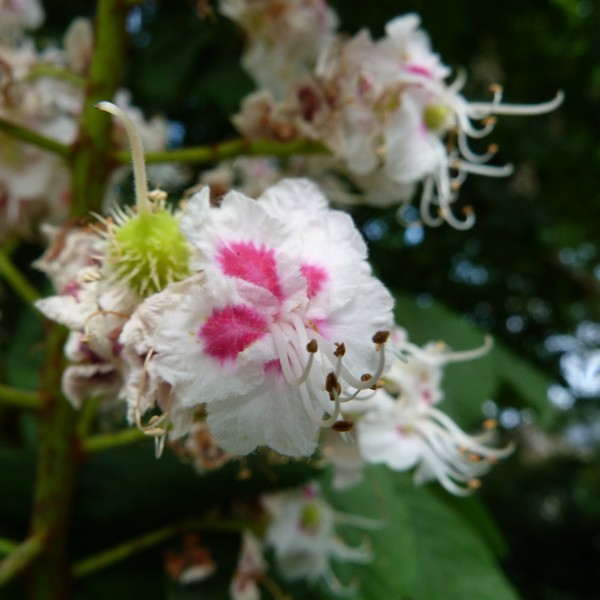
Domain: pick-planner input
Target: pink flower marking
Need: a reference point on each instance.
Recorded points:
(315, 278)
(230, 330)
(254, 264)
(419, 70)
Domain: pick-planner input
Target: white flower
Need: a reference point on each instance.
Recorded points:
(269, 336)
(302, 533)
(404, 429)
(284, 38)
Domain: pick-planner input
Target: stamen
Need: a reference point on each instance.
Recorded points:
(340, 350)
(518, 109)
(137, 155)
(343, 426)
(332, 385)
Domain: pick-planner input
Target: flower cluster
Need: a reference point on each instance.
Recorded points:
(384, 110)
(264, 313)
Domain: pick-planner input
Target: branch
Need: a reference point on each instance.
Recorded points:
(231, 149)
(31, 137)
(143, 542)
(21, 557)
(97, 443)
(16, 280)
(28, 399)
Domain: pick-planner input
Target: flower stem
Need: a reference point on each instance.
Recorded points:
(7, 546)
(21, 557)
(27, 399)
(91, 165)
(229, 149)
(50, 577)
(16, 280)
(97, 443)
(127, 549)
(31, 137)
(49, 70)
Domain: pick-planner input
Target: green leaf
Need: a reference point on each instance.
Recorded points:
(425, 549)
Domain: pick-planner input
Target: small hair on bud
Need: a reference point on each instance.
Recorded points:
(312, 346)
(343, 426)
(339, 351)
(381, 337)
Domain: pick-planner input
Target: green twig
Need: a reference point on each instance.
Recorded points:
(21, 557)
(226, 150)
(97, 443)
(127, 549)
(56, 72)
(28, 399)
(31, 137)
(7, 547)
(15, 279)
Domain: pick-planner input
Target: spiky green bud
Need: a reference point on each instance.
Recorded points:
(148, 251)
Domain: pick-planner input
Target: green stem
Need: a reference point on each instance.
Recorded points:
(148, 540)
(7, 546)
(97, 443)
(54, 482)
(27, 399)
(31, 137)
(48, 70)
(91, 166)
(21, 557)
(58, 452)
(229, 149)
(16, 280)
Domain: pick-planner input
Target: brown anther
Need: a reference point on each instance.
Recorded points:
(462, 450)
(312, 346)
(381, 337)
(343, 425)
(244, 474)
(474, 457)
(455, 186)
(467, 210)
(490, 423)
(332, 385)
(366, 377)
(490, 121)
(440, 345)
(339, 351)
(496, 88)
(492, 148)
(492, 460)
(474, 484)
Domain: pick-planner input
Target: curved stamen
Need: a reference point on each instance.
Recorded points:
(480, 109)
(137, 155)
(487, 170)
(465, 440)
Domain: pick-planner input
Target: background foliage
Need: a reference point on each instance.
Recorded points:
(528, 272)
